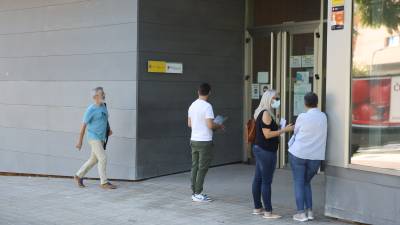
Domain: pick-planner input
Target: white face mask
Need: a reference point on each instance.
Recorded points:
(275, 104)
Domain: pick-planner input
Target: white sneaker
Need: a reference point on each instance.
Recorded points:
(258, 211)
(270, 215)
(310, 215)
(300, 217)
(200, 198)
(207, 198)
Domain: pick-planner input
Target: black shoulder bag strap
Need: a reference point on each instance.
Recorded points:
(108, 129)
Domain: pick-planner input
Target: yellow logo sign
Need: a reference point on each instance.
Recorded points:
(337, 2)
(157, 66)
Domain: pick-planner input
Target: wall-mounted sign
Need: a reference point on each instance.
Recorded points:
(337, 2)
(337, 14)
(164, 67)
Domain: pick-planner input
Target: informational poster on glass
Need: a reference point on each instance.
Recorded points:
(255, 91)
(307, 61)
(263, 77)
(295, 61)
(300, 89)
(302, 76)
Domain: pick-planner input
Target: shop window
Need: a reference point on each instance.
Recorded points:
(375, 133)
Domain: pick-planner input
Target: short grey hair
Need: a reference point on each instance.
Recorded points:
(97, 89)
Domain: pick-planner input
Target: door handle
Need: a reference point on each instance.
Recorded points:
(316, 76)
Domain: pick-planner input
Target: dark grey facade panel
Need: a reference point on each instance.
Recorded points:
(179, 95)
(159, 38)
(208, 38)
(213, 14)
(362, 196)
(161, 156)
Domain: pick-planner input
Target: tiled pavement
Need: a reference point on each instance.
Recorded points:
(164, 201)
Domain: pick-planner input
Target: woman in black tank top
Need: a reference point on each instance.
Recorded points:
(270, 144)
(264, 150)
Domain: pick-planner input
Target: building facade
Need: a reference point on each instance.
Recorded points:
(53, 52)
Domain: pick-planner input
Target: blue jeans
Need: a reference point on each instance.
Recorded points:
(265, 167)
(303, 171)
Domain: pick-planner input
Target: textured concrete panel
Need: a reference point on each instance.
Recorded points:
(12, 5)
(62, 144)
(38, 164)
(67, 16)
(52, 53)
(66, 119)
(92, 13)
(119, 94)
(66, 42)
(374, 197)
(95, 67)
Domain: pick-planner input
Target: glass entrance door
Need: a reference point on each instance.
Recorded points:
(300, 76)
(287, 58)
(301, 73)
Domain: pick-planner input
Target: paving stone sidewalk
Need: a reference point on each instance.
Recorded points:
(164, 201)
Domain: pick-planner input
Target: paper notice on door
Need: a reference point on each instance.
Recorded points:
(307, 61)
(394, 116)
(263, 77)
(295, 61)
(302, 76)
(300, 89)
(255, 91)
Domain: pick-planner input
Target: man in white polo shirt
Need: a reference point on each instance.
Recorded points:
(306, 151)
(201, 120)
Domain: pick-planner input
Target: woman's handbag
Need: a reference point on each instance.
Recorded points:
(251, 131)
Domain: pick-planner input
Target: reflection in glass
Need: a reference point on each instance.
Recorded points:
(375, 137)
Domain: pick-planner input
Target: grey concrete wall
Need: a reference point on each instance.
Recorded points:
(207, 37)
(52, 53)
(362, 196)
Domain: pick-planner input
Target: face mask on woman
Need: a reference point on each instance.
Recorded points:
(276, 103)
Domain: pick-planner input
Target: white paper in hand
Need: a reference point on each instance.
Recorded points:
(220, 120)
(282, 123)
